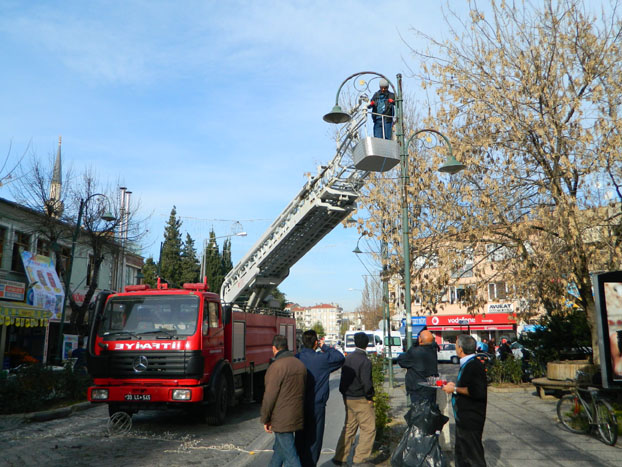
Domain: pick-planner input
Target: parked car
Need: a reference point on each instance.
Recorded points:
(447, 353)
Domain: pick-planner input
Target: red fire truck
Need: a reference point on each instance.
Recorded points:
(159, 348)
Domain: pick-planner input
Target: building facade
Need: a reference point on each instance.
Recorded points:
(34, 330)
(328, 314)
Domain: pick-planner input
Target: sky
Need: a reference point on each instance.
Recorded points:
(214, 107)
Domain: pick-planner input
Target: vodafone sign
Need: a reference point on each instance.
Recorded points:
(456, 322)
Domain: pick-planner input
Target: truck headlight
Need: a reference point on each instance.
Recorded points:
(182, 394)
(99, 394)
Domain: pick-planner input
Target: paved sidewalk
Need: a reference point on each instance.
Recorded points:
(523, 430)
(8, 422)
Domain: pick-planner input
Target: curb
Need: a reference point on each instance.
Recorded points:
(54, 414)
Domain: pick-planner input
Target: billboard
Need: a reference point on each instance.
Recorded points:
(46, 290)
(608, 297)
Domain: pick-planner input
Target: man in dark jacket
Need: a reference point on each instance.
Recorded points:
(382, 107)
(283, 399)
(357, 388)
(319, 367)
(420, 362)
(469, 403)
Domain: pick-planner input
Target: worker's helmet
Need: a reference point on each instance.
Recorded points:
(384, 83)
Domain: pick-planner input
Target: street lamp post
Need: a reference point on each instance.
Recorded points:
(107, 217)
(451, 166)
(385, 300)
(337, 115)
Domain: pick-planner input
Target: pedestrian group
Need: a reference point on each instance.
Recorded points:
(296, 392)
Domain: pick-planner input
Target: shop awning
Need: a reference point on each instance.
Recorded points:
(19, 314)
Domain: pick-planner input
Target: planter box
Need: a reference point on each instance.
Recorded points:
(561, 371)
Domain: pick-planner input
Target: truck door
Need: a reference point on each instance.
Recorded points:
(213, 334)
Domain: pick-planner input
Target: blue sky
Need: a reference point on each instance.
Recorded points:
(214, 107)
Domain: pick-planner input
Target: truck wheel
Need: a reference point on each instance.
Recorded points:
(217, 411)
(455, 359)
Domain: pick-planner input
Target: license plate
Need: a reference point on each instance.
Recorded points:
(138, 397)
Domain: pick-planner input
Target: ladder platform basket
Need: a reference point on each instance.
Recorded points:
(376, 154)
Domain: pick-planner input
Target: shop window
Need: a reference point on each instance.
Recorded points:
(497, 291)
(21, 243)
(2, 235)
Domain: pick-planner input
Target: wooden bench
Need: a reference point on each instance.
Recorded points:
(542, 384)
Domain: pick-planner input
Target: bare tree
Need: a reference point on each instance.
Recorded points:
(529, 96)
(101, 235)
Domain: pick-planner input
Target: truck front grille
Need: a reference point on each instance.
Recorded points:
(167, 364)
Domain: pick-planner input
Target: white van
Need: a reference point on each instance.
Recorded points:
(373, 347)
(396, 345)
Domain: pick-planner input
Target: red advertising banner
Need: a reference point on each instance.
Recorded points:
(457, 320)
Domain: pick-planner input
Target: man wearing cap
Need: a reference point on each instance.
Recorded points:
(357, 388)
(382, 106)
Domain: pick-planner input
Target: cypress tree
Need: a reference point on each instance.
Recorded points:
(170, 258)
(190, 267)
(213, 264)
(227, 265)
(150, 271)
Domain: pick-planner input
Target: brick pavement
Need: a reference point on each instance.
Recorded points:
(522, 430)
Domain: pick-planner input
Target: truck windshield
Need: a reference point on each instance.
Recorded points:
(164, 316)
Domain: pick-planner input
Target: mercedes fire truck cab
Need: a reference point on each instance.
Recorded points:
(162, 348)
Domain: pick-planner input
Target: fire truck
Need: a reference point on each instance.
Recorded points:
(192, 348)
(160, 348)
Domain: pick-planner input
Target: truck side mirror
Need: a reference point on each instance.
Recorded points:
(226, 315)
(96, 316)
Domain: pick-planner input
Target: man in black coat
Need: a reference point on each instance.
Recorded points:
(357, 387)
(469, 403)
(420, 362)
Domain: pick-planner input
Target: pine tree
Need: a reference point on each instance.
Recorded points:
(150, 272)
(213, 264)
(190, 267)
(171, 267)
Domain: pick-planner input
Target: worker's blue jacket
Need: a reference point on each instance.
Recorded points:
(319, 367)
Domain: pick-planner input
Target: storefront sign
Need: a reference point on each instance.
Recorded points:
(22, 315)
(46, 289)
(489, 322)
(500, 308)
(12, 290)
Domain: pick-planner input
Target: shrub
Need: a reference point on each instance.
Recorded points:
(36, 387)
(381, 398)
(507, 371)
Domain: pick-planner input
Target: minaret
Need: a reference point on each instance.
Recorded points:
(55, 204)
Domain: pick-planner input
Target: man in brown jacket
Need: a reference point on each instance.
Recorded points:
(282, 409)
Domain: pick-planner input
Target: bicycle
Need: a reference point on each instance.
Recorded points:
(584, 409)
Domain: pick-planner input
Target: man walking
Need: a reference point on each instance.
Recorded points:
(282, 406)
(420, 362)
(319, 367)
(357, 388)
(469, 403)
